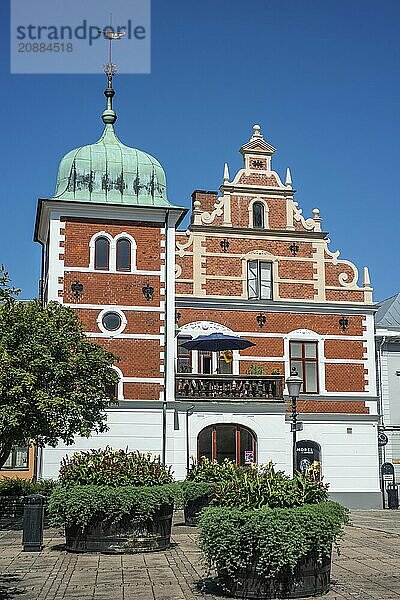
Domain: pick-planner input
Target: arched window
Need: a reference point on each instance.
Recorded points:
(308, 455)
(102, 254)
(258, 215)
(123, 255)
(235, 442)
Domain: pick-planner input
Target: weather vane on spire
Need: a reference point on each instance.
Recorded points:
(109, 117)
(110, 68)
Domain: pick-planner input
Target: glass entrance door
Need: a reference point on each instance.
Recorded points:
(235, 442)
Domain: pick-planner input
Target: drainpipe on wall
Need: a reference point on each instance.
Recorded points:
(380, 404)
(189, 412)
(41, 283)
(37, 452)
(164, 408)
(381, 450)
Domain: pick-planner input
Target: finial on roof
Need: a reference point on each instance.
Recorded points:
(366, 278)
(109, 116)
(256, 131)
(226, 173)
(317, 219)
(288, 180)
(110, 69)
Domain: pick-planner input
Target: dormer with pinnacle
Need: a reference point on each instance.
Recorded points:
(257, 153)
(257, 167)
(255, 183)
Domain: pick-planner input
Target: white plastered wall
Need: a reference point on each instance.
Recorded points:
(349, 461)
(132, 429)
(268, 428)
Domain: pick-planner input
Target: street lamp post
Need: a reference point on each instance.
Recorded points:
(189, 412)
(294, 383)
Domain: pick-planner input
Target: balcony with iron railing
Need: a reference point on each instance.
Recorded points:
(214, 388)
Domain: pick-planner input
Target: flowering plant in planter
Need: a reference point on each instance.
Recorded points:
(114, 501)
(266, 534)
(252, 486)
(114, 468)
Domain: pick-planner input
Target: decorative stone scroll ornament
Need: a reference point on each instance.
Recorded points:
(197, 328)
(182, 247)
(313, 224)
(343, 278)
(208, 218)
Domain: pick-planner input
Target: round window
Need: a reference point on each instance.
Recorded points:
(111, 321)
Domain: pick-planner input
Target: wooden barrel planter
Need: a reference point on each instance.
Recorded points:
(309, 578)
(125, 537)
(192, 509)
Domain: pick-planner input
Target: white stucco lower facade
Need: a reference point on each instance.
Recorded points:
(349, 455)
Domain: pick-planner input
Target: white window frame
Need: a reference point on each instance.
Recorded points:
(112, 259)
(266, 214)
(258, 280)
(120, 329)
(307, 335)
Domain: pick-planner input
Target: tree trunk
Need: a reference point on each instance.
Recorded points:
(5, 449)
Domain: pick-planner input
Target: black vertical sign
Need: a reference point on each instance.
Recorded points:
(387, 478)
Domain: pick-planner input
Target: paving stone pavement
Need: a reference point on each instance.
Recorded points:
(367, 568)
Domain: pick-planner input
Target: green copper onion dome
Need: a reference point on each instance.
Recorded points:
(110, 172)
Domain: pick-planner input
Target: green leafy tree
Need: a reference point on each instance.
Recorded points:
(54, 382)
(7, 291)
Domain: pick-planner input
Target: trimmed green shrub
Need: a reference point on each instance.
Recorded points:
(192, 490)
(273, 539)
(84, 505)
(24, 487)
(114, 468)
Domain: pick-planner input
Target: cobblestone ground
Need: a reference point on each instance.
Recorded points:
(368, 567)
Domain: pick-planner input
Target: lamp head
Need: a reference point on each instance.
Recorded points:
(294, 383)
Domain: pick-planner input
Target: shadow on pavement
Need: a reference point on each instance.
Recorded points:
(209, 586)
(7, 590)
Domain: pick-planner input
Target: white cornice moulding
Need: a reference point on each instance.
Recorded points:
(55, 209)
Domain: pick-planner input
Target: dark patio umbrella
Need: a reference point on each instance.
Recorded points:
(216, 342)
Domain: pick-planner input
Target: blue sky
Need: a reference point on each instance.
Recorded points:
(320, 76)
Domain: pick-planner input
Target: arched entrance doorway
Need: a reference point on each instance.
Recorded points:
(309, 458)
(232, 441)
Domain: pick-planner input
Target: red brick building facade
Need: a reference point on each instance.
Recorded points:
(250, 264)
